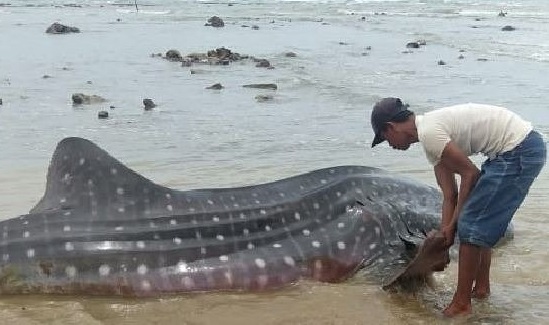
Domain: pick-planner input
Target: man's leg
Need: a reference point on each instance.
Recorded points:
(482, 280)
(469, 260)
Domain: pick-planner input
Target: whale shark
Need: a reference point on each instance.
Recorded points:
(103, 229)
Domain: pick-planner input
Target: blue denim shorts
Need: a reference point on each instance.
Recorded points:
(502, 186)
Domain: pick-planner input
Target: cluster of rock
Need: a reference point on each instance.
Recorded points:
(215, 21)
(219, 56)
(57, 28)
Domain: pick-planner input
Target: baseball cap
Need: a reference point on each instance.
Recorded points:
(386, 110)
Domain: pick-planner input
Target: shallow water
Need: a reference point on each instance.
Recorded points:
(200, 138)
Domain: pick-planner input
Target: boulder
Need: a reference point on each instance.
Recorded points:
(263, 63)
(216, 86)
(57, 28)
(149, 104)
(508, 28)
(263, 98)
(215, 21)
(412, 45)
(173, 55)
(103, 114)
(261, 86)
(82, 99)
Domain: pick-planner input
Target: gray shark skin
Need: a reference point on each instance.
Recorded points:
(102, 229)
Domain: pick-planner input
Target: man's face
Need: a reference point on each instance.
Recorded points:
(396, 137)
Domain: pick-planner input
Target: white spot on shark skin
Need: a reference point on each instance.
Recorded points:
(82, 161)
(229, 277)
(251, 246)
(119, 228)
(30, 252)
(262, 280)
(120, 191)
(192, 210)
(254, 194)
(281, 194)
(26, 234)
(341, 225)
(362, 229)
(168, 196)
(246, 232)
(6, 257)
(90, 182)
(306, 232)
(215, 219)
(140, 244)
(70, 271)
(187, 282)
(5, 234)
(373, 246)
(277, 245)
(323, 181)
(63, 200)
(341, 245)
(104, 270)
(169, 207)
(232, 198)
(67, 228)
(181, 267)
(203, 250)
(224, 258)
(145, 285)
(210, 202)
(236, 205)
(316, 206)
(67, 213)
(297, 216)
(318, 265)
(142, 269)
(173, 222)
(114, 171)
(257, 202)
(242, 215)
(152, 224)
(289, 261)
(198, 235)
(377, 231)
(263, 212)
(268, 228)
(315, 243)
(380, 260)
(260, 263)
(69, 246)
(220, 237)
(121, 210)
(177, 240)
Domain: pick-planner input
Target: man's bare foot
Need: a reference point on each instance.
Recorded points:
(480, 293)
(456, 309)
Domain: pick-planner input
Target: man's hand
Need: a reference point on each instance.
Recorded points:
(449, 233)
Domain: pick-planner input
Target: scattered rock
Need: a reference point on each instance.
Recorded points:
(1, 103)
(263, 98)
(462, 51)
(482, 59)
(57, 28)
(502, 14)
(263, 63)
(103, 114)
(173, 55)
(149, 104)
(461, 57)
(82, 99)
(412, 45)
(290, 54)
(255, 27)
(261, 86)
(215, 21)
(46, 76)
(89, 82)
(440, 62)
(508, 28)
(216, 86)
(112, 107)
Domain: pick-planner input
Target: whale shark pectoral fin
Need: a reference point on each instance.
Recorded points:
(332, 270)
(79, 170)
(432, 256)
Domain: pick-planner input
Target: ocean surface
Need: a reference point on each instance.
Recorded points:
(348, 54)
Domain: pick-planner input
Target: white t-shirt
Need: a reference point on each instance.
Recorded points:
(474, 128)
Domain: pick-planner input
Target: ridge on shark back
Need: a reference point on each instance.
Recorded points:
(103, 229)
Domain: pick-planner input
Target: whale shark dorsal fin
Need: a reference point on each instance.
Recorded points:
(82, 176)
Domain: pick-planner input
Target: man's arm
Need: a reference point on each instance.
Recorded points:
(454, 161)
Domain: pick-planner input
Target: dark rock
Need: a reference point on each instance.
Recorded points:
(263, 98)
(216, 86)
(461, 57)
(1, 103)
(112, 107)
(482, 59)
(502, 14)
(508, 28)
(46, 76)
(478, 19)
(290, 54)
(89, 82)
(215, 21)
(412, 45)
(82, 99)
(461, 51)
(173, 55)
(440, 62)
(343, 43)
(57, 28)
(261, 86)
(255, 27)
(103, 114)
(263, 63)
(149, 104)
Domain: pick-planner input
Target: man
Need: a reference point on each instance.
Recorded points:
(483, 205)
